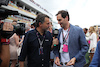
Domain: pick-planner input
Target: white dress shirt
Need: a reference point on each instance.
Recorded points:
(64, 56)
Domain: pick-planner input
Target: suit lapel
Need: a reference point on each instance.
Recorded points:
(70, 34)
(59, 33)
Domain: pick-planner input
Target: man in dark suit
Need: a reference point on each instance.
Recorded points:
(73, 45)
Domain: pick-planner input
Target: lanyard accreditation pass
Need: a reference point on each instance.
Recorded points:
(64, 47)
(40, 43)
(64, 40)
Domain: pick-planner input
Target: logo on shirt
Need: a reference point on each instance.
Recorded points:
(46, 40)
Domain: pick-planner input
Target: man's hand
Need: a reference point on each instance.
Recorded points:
(71, 62)
(57, 61)
(7, 30)
(93, 49)
(55, 42)
(21, 63)
(7, 27)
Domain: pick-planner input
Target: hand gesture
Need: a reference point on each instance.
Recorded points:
(71, 62)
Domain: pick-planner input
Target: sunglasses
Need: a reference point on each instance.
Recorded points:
(63, 63)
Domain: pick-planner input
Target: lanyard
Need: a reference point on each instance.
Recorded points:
(40, 42)
(64, 40)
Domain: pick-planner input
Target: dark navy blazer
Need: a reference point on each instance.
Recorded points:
(96, 58)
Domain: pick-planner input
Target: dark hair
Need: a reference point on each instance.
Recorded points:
(40, 18)
(33, 24)
(86, 29)
(64, 14)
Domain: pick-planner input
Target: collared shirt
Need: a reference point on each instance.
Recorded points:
(31, 49)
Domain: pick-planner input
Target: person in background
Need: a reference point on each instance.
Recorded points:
(14, 22)
(73, 45)
(14, 44)
(50, 28)
(27, 28)
(87, 54)
(32, 26)
(51, 53)
(93, 41)
(99, 35)
(85, 30)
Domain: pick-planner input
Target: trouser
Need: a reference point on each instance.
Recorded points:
(91, 56)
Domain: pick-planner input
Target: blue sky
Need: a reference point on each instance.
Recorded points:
(84, 13)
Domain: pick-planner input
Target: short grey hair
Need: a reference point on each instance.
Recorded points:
(27, 26)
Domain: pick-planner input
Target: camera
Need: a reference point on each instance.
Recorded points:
(4, 2)
(19, 28)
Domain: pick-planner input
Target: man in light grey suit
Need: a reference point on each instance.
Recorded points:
(72, 43)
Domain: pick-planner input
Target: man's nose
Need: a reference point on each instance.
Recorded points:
(49, 25)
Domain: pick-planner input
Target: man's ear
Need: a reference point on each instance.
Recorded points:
(40, 23)
(66, 17)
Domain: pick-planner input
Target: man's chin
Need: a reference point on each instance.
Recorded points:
(45, 29)
(61, 25)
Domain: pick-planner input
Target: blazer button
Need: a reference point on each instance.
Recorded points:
(42, 59)
(42, 65)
